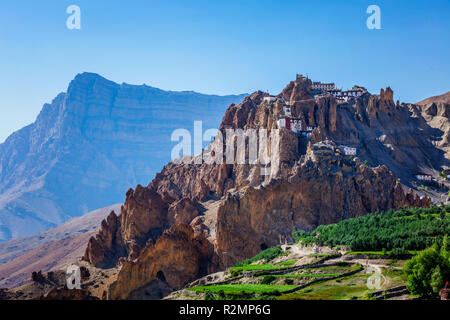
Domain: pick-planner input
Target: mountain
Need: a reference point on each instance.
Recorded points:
(88, 146)
(436, 112)
(49, 250)
(444, 98)
(196, 218)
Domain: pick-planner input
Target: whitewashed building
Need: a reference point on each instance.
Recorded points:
(322, 86)
(269, 99)
(348, 151)
(423, 177)
(287, 110)
(293, 124)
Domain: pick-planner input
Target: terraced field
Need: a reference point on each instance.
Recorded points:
(256, 267)
(244, 288)
(275, 279)
(298, 275)
(352, 287)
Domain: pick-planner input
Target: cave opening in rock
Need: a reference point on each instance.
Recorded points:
(263, 246)
(160, 276)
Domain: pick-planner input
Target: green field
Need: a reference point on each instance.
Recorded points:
(247, 288)
(287, 263)
(253, 267)
(306, 275)
(343, 289)
(377, 253)
(322, 255)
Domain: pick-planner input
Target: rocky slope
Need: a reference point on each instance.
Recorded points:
(49, 250)
(443, 98)
(436, 112)
(88, 146)
(89, 222)
(194, 219)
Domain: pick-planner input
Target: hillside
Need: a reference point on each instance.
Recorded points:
(299, 272)
(89, 146)
(50, 249)
(436, 112)
(443, 98)
(320, 265)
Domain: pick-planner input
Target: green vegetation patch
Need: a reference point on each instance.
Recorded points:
(429, 270)
(343, 289)
(265, 255)
(287, 263)
(243, 288)
(253, 267)
(307, 275)
(407, 229)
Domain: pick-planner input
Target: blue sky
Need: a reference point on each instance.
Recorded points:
(219, 47)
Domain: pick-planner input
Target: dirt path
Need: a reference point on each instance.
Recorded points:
(305, 251)
(366, 264)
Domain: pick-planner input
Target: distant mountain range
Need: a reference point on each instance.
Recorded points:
(89, 146)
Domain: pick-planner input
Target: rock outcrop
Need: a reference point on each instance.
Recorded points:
(177, 256)
(315, 183)
(437, 116)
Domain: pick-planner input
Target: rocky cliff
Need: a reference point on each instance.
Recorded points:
(89, 146)
(436, 112)
(234, 211)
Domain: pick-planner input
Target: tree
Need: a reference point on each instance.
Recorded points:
(437, 280)
(444, 248)
(428, 271)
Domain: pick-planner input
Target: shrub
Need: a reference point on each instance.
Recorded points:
(266, 255)
(276, 293)
(222, 294)
(267, 279)
(267, 297)
(235, 273)
(399, 253)
(209, 296)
